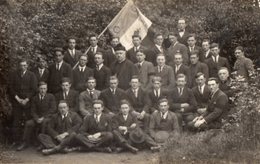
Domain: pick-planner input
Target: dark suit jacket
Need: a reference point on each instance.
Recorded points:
(85, 102)
(152, 100)
(118, 120)
(152, 53)
(194, 69)
(124, 72)
(102, 77)
(167, 75)
(24, 87)
(183, 70)
(54, 81)
(217, 106)
(203, 57)
(170, 124)
(91, 62)
(225, 86)
(72, 99)
(69, 124)
(186, 97)
(80, 78)
(202, 99)
(131, 54)
(214, 67)
(43, 108)
(139, 102)
(146, 68)
(196, 48)
(90, 126)
(178, 47)
(184, 38)
(70, 60)
(112, 101)
(111, 57)
(44, 76)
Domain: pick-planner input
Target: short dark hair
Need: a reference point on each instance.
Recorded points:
(214, 45)
(180, 75)
(41, 83)
(157, 78)
(91, 78)
(93, 35)
(136, 36)
(239, 48)
(192, 35)
(161, 100)
(113, 78)
(83, 55)
(58, 49)
(65, 79)
(99, 53)
(158, 34)
(213, 79)
(124, 101)
(98, 102)
(206, 40)
(199, 74)
(135, 77)
(63, 101)
(23, 60)
(173, 34)
(72, 37)
(195, 52)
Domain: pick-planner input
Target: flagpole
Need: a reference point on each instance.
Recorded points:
(102, 33)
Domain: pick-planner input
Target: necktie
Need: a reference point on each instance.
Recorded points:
(41, 98)
(97, 67)
(91, 94)
(176, 69)
(65, 95)
(160, 69)
(157, 93)
(180, 91)
(135, 92)
(96, 118)
(139, 66)
(41, 72)
(200, 89)
(113, 91)
(93, 50)
(58, 67)
(215, 59)
(22, 74)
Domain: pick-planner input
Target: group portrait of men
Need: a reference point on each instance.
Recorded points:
(111, 100)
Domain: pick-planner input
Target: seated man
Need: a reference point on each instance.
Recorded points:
(95, 132)
(43, 105)
(61, 130)
(112, 96)
(201, 93)
(225, 81)
(68, 94)
(136, 97)
(124, 124)
(183, 102)
(163, 124)
(87, 97)
(217, 106)
(155, 94)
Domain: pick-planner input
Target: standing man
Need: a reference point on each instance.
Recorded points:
(216, 62)
(182, 32)
(165, 72)
(175, 48)
(206, 54)
(87, 97)
(80, 74)
(110, 52)
(22, 87)
(195, 67)
(101, 72)
(123, 68)
(144, 68)
(93, 40)
(192, 45)
(68, 94)
(243, 65)
(58, 70)
(43, 105)
(131, 53)
(71, 55)
(41, 72)
(96, 132)
(179, 67)
(216, 108)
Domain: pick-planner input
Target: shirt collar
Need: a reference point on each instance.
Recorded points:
(164, 116)
(100, 66)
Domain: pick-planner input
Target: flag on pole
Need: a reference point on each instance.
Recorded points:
(127, 22)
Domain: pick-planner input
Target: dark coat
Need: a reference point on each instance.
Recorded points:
(184, 38)
(194, 69)
(44, 76)
(167, 75)
(91, 56)
(80, 78)
(152, 53)
(202, 99)
(138, 103)
(72, 99)
(102, 77)
(214, 67)
(146, 68)
(152, 100)
(86, 102)
(131, 54)
(183, 70)
(72, 61)
(203, 57)
(118, 120)
(178, 47)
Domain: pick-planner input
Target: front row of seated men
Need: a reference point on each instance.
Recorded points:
(116, 120)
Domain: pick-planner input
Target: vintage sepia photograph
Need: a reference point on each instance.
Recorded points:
(130, 81)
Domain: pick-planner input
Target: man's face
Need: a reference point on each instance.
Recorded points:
(213, 86)
(181, 24)
(98, 108)
(163, 107)
(91, 84)
(63, 108)
(43, 89)
(136, 41)
(120, 55)
(194, 59)
(215, 51)
(114, 42)
(223, 75)
(93, 41)
(65, 86)
(58, 56)
(134, 83)
(201, 80)
(23, 66)
(157, 85)
(239, 54)
(72, 44)
(205, 46)
(83, 61)
(172, 39)
(181, 82)
(140, 57)
(178, 59)
(160, 60)
(42, 63)
(158, 40)
(113, 83)
(99, 59)
(125, 109)
(191, 41)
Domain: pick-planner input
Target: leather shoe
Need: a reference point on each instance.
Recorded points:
(48, 151)
(155, 148)
(22, 147)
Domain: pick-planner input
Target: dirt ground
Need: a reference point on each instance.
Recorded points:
(31, 156)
